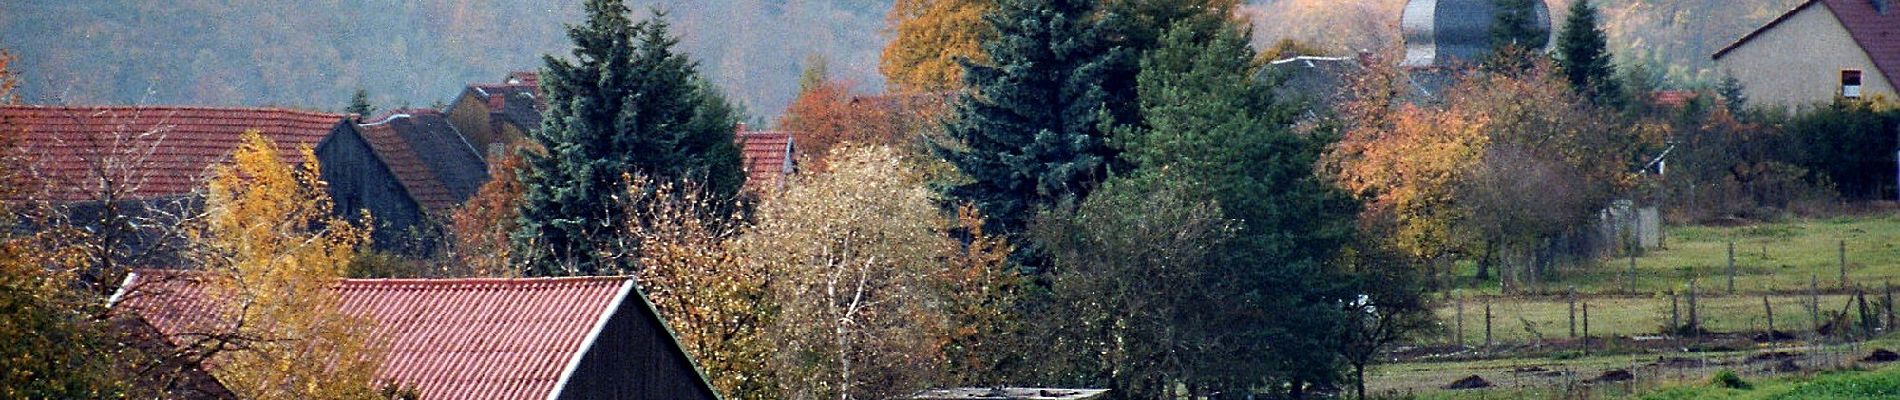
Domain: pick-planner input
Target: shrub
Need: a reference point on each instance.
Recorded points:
(1729, 379)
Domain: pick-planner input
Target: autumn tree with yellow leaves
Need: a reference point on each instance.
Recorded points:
(928, 37)
(271, 252)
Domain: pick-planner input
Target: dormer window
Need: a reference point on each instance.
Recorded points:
(1850, 83)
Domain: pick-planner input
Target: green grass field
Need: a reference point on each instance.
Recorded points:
(1769, 257)
(1773, 260)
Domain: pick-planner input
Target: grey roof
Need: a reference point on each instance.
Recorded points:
(1440, 33)
(1315, 82)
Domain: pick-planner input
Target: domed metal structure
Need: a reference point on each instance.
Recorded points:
(1439, 32)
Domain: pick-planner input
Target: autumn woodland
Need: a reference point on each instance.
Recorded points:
(924, 199)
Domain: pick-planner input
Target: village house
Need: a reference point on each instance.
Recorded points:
(528, 338)
(766, 157)
(131, 173)
(406, 170)
(1817, 52)
(493, 115)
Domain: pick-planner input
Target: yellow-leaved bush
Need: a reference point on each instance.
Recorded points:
(272, 252)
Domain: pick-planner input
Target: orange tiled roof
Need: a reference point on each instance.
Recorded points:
(766, 156)
(465, 338)
(165, 149)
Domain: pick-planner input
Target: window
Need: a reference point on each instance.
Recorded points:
(1850, 83)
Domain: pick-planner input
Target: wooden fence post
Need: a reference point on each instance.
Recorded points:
(1814, 300)
(1843, 264)
(1675, 311)
(1459, 334)
(1487, 324)
(1695, 323)
(1572, 297)
(1770, 309)
(1731, 267)
(1586, 321)
(1888, 303)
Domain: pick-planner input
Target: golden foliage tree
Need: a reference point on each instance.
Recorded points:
(479, 229)
(853, 252)
(715, 302)
(928, 37)
(1507, 160)
(272, 251)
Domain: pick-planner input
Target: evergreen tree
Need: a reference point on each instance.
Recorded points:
(1584, 56)
(1517, 25)
(1028, 132)
(1215, 126)
(1134, 28)
(359, 104)
(626, 104)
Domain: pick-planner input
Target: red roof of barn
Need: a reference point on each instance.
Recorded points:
(766, 156)
(162, 150)
(1876, 31)
(464, 338)
(1672, 98)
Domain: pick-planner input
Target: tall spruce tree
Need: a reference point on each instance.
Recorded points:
(1028, 133)
(1516, 24)
(1214, 125)
(626, 103)
(1583, 55)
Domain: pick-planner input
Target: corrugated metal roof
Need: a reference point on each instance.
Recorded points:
(450, 338)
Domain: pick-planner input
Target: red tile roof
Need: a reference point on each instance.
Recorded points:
(1876, 31)
(165, 150)
(462, 338)
(766, 157)
(1672, 98)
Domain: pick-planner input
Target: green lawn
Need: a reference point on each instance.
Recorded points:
(1839, 385)
(1549, 318)
(1777, 257)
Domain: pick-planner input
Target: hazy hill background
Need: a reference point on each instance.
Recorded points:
(314, 53)
(1673, 37)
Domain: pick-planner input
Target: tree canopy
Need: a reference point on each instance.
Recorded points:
(626, 103)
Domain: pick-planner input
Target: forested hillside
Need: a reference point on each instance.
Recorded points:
(315, 53)
(1676, 37)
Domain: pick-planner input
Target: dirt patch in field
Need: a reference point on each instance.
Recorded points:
(1469, 382)
(1882, 356)
(1615, 375)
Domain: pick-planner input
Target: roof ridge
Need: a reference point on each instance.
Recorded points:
(461, 281)
(182, 107)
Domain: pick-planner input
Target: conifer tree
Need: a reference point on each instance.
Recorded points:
(1583, 54)
(1216, 127)
(1516, 25)
(1028, 132)
(359, 104)
(626, 103)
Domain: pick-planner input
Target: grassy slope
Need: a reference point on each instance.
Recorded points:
(1842, 385)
